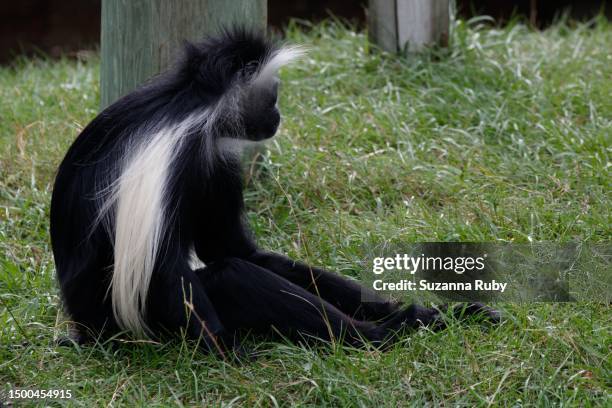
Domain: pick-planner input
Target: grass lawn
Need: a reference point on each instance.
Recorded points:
(503, 137)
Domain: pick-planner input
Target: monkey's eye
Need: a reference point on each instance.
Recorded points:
(250, 69)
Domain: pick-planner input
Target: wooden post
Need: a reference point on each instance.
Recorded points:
(141, 38)
(382, 24)
(397, 25)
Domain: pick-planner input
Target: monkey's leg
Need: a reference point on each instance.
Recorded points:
(232, 240)
(84, 282)
(178, 300)
(343, 293)
(247, 296)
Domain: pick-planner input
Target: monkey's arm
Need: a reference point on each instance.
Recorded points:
(178, 300)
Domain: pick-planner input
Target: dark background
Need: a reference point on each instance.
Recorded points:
(55, 27)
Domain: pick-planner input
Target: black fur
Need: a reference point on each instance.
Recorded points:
(242, 287)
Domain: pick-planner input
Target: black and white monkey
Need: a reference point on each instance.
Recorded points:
(156, 178)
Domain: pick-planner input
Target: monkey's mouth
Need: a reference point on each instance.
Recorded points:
(266, 134)
(264, 130)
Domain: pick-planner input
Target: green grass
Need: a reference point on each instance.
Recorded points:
(503, 137)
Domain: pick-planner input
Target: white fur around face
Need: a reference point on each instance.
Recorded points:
(269, 70)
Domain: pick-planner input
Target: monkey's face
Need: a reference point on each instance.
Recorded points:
(260, 114)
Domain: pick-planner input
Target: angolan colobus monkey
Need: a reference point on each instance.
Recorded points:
(156, 178)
